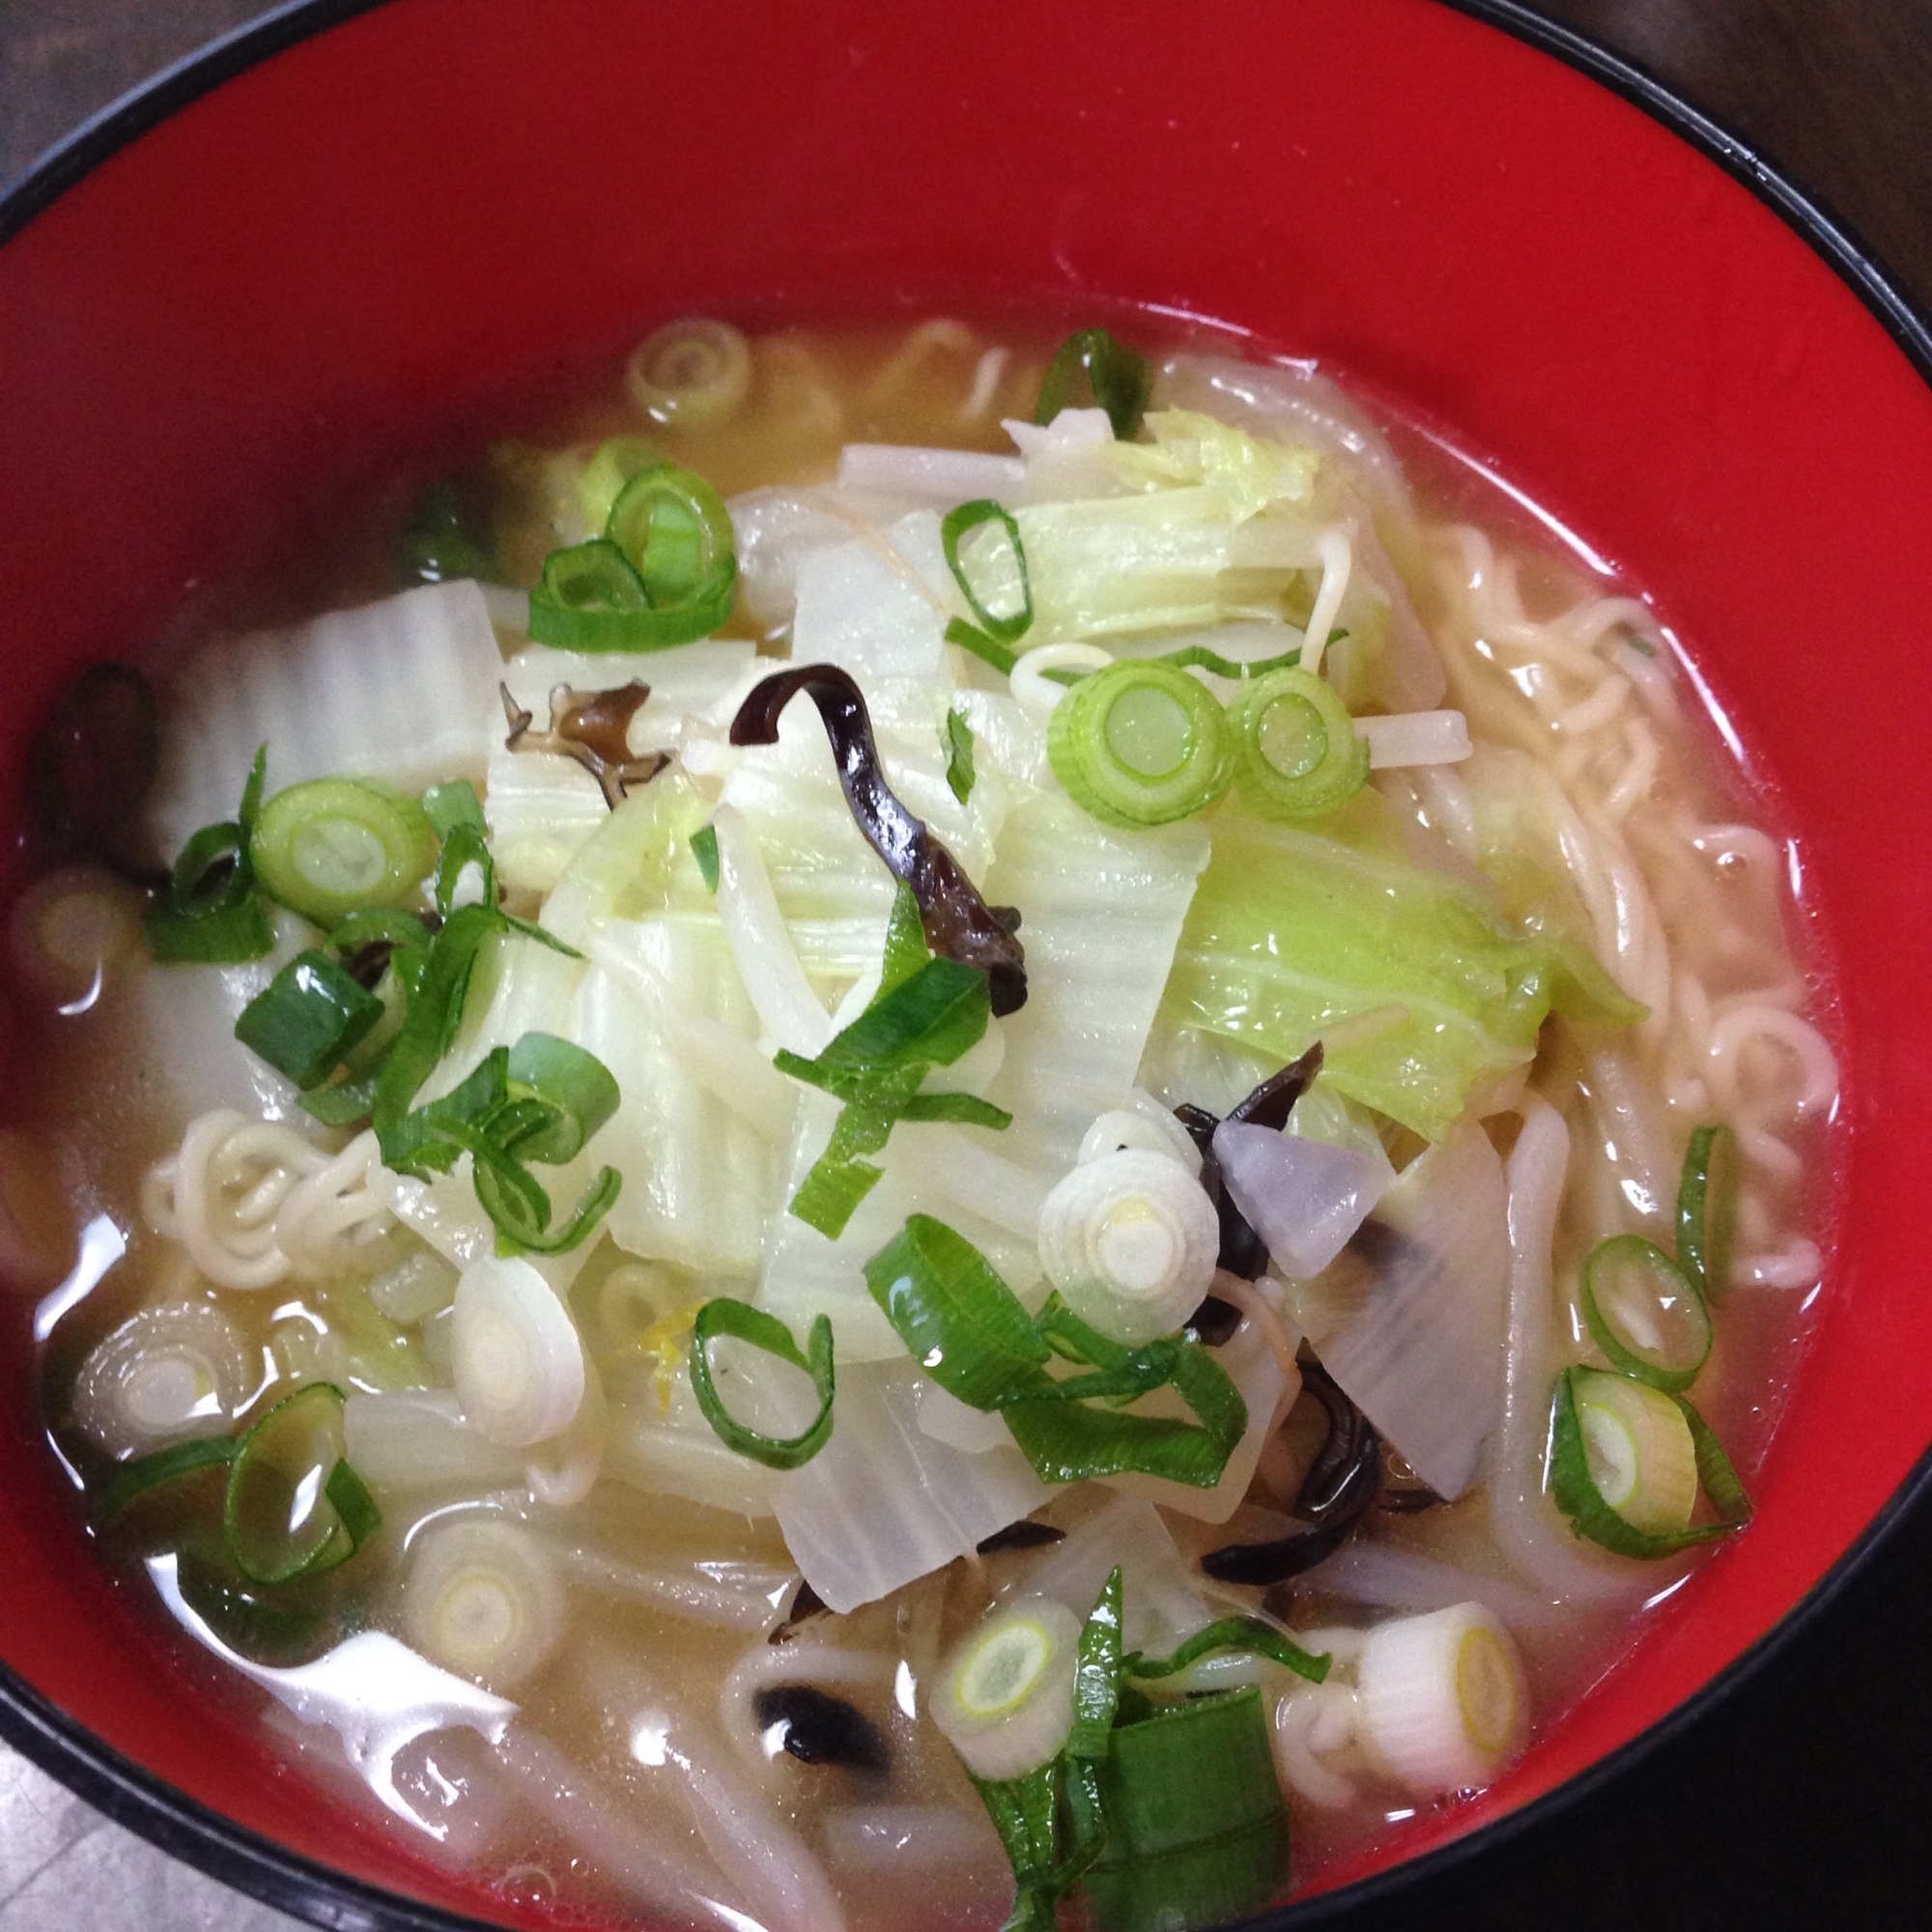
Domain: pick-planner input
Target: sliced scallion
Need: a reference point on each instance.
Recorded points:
(453, 804)
(691, 372)
(1140, 744)
(590, 598)
(294, 1507)
(673, 529)
(1002, 628)
(1197, 1833)
(1625, 1462)
(334, 846)
(146, 1474)
(1706, 1198)
(1118, 377)
(305, 1022)
(1645, 1313)
(212, 912)
(746, 1324)
(1297, 751)
(612, 466)
(1249, 1634)
(959, 776)
(704, 849)
(1004, 1698)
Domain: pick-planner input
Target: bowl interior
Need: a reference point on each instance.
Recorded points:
(342, 249)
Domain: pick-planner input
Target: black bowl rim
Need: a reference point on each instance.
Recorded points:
(286, 1880)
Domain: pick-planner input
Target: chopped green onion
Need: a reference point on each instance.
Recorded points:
(1140, 744)
(1297, 751)
(464, 846)
(1645, 1313)
(704, 849)
(283, 1625)
(148, 1473)
(969, 1332)
(334, 846)
(959, 755)
(1026, 1813)
(925, 1019)
(906, 949)
(957, 524)
(674, 528)
(1004, 1697)
(1706, 1198)
(1625, 1462)
(453, 804)
(612, 466)
(590, 598)
(958, 1320)
(1118, 377)
(970, 638)
(212, 913)
(294, 1507)
(444, 538)
(575, 1087)
(342, 1104)
(746, 1324)
(1196, 1830)
(1097, 1678)
(691, 372)
(308, 1016)
(1243, 1634)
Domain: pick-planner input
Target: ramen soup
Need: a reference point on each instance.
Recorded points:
(912, 1115)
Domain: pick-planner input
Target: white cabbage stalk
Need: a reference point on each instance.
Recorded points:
(637, 862)
(700, 1180)
(884, 1502)
(403, 690)
(1129, 1241)
(679, 1455)
(1415, 738)
(481, 1597)
(541, 806)
(1386, 1578)
(777, 530)
(938, 479)
(405, 1441)
(1069, 458)
(165, 1375)
(519, 1364)
(1103, 916)
(832, 890)
(418, 1286)
(1161, 1600)
(185, 1016)
(966, 1177)
(766, 962)
(1422, 1354)
(878, 607)
(1304, 1198)
(746, 1597)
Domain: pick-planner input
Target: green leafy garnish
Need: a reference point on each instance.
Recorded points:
(1118, 377)
(746, 1324)
(1249, 1634)
(971, 1335)
(926, 1013)
(704, 849)
(959, 755)
(212, 912)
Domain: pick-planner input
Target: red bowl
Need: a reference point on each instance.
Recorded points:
(227, 295)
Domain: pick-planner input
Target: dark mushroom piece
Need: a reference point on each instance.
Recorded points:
(1025, 1534)
(959, 924)
(1340, 1487)
(1243, 1253)
(805, 1606)
(593, 728)
(819, 1728)
(92, 768)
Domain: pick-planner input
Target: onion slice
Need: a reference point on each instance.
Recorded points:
(519, 1366)
(1304, 1198)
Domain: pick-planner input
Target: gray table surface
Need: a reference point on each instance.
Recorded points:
(1834, 91)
